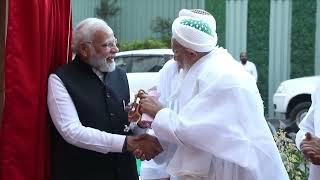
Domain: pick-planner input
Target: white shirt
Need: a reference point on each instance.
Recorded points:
(65, 118)
(251, 68)
(311, 123)
(218, 125)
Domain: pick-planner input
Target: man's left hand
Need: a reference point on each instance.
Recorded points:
(150, 105)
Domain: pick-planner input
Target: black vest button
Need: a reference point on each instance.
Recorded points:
(108, 95)
(112, 114)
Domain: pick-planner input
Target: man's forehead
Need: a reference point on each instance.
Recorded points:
(103, 36)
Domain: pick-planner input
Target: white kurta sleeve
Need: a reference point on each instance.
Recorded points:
(219, 117)
(311, 124)
(306, 125)
(308, 122)
(65, 118)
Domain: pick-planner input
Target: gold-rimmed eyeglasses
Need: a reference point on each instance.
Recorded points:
(108, 44)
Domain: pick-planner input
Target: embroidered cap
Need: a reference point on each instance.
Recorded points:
(194, 30)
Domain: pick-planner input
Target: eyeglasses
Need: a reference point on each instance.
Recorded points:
(108, 44)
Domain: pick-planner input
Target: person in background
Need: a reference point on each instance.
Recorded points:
(86, 101)
(308, 137)
(213, 125)
(248, 65)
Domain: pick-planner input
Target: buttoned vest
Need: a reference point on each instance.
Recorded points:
(99, 105)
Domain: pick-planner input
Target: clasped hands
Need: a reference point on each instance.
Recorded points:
(144, 147)
(310, 147)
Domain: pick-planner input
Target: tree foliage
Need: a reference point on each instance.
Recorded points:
(258, 42)
(303, 38)
(218, 9)
(162, 26)
(107, 9)
(145, 44)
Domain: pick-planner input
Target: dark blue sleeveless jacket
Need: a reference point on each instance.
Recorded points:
(99, 106)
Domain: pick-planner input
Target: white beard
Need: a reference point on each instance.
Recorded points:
(102, 64)
(183, 65)
(107, 66)
(178, 80)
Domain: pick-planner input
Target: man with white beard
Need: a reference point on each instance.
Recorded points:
(86, 100)
(215, 116)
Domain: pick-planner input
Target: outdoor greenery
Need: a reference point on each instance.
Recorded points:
(218, 9)
(296, 166)
(107, 9)
(144, 44)
(303, 38)
(162, 26)
(258, 42)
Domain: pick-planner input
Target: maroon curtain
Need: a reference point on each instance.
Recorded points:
(38, 35)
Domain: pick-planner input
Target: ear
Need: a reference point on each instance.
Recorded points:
(192, 53)
(84, 50)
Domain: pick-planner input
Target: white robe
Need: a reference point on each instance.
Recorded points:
(150, 169)
(311, 123)
(217, 129)
(250, 67)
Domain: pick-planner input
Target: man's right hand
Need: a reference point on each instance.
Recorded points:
(310, 147)
(144, 146)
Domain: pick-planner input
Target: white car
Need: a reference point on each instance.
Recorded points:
(142, 67)
(293, 99)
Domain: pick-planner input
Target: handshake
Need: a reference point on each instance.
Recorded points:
(144, 147)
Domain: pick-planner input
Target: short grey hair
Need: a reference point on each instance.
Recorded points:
(85, 30)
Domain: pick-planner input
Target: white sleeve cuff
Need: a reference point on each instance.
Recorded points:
(300, 136)
(165, 124)
(117, 142)
(161, 115)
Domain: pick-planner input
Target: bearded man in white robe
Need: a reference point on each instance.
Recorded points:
(212, 126)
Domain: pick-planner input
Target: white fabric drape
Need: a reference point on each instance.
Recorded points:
(219, 129)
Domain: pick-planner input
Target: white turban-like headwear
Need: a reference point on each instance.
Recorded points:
(195, 31)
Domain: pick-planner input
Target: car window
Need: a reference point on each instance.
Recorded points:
(142, 63)
(124, 63)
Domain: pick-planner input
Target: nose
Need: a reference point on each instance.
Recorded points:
(115, 49)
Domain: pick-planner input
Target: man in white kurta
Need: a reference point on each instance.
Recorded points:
(311, 124)
(214, 128)
(249, 66)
